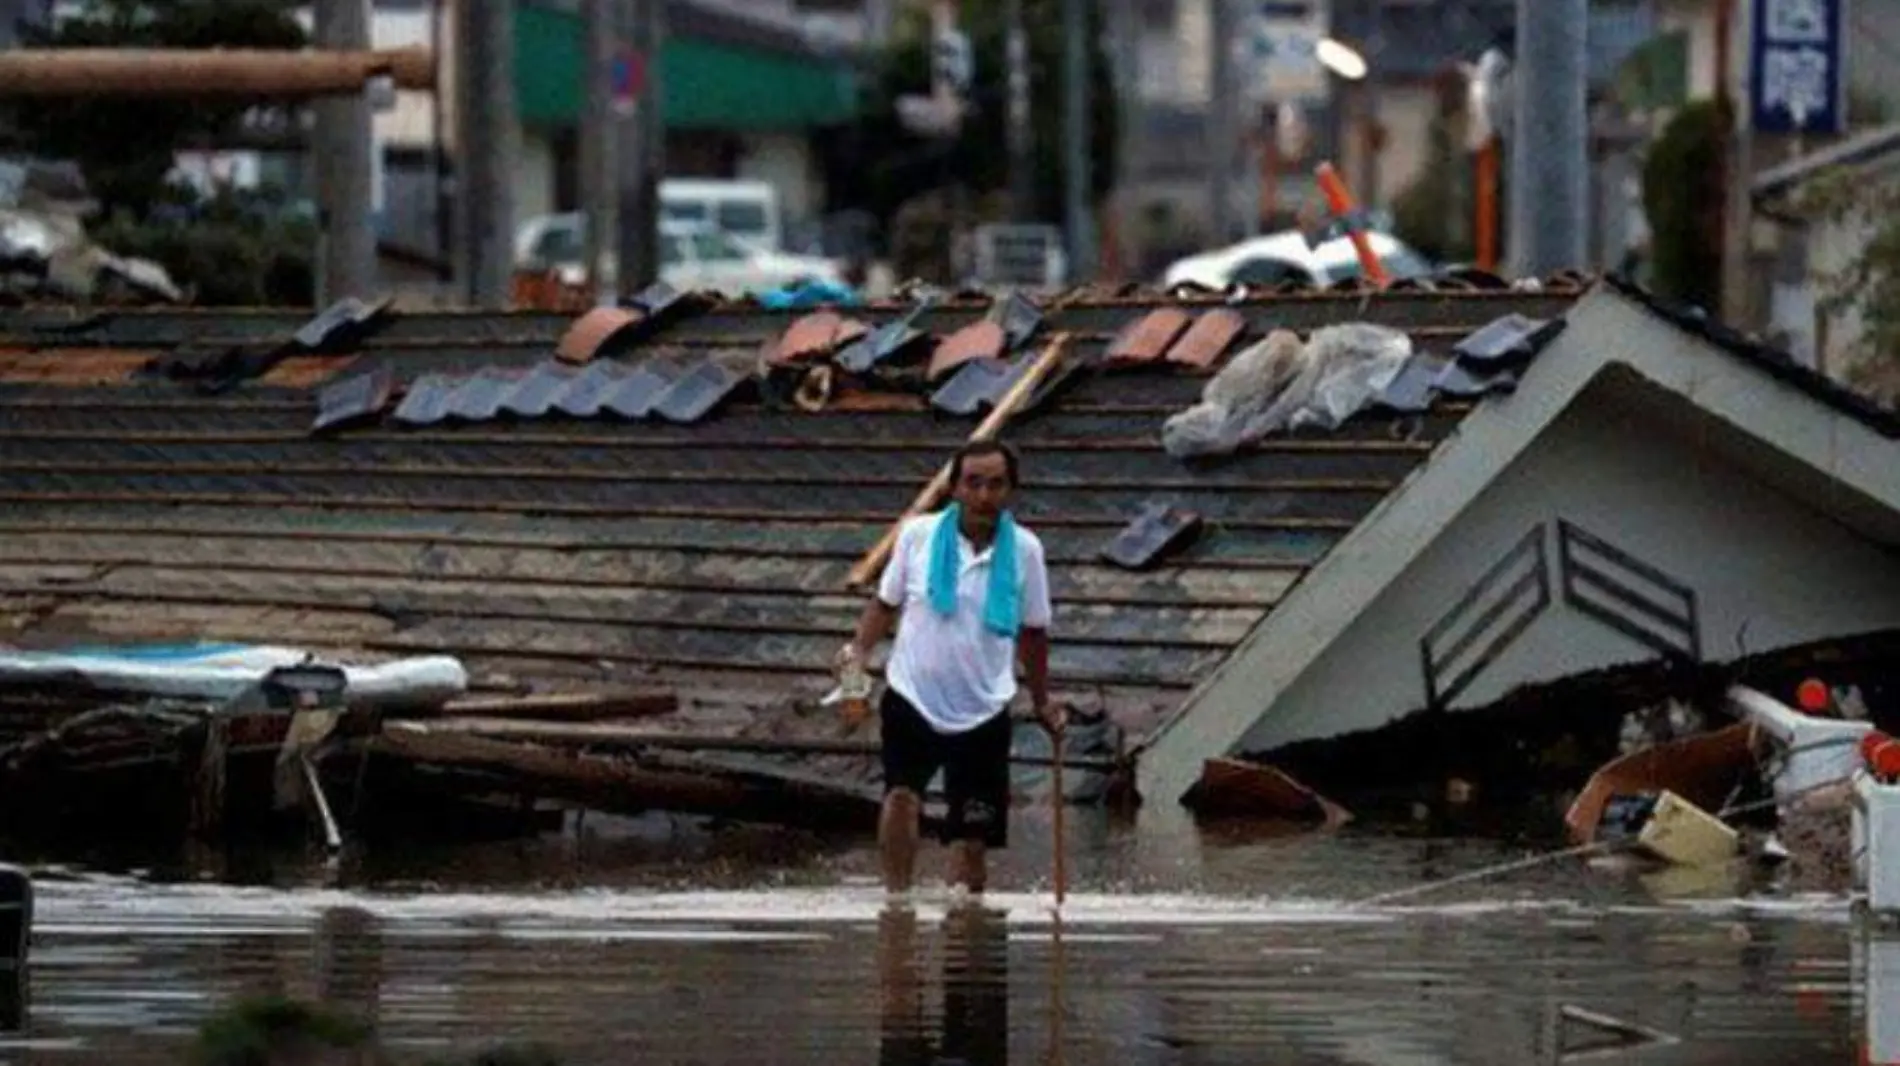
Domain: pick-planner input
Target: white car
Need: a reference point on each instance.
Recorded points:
(1285, 256)
(693, 257)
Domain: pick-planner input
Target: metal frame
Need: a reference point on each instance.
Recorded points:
(1670, 624)
(1529, 594)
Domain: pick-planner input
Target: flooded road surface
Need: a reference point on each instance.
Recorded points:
(1187, 950)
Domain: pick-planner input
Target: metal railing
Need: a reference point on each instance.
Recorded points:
(1627, 594)
(1492, 614)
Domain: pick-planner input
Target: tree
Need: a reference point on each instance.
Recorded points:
(126, 147)
(889, 165)
(1682, 197)
(1868, 284)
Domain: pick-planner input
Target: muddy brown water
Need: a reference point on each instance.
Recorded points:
(654, 942)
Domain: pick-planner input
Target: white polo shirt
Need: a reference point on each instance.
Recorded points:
(955, 671)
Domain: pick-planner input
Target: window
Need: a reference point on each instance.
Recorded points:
(683, 212)
(559, 244)
(1265, 271)
(716, 247)
(672, 251)
(741, 217)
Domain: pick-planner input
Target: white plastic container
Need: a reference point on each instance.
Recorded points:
(1685, 834)
(1877, 842)
(1818, 751)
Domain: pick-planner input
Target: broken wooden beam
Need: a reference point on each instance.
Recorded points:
(1704, 768)
(1236, 788)
(224, 72)
(607, 734)
(624, 786)
(869, 567)
(566, 706)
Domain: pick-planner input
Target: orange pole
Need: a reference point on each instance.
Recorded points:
(1487, 227)
(1339, 201)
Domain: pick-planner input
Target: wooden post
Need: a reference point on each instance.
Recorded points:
(869, 567)
(207, 784)
(16, 939)
(219, 72)
(1486, 229)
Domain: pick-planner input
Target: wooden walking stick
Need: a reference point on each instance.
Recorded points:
(1057, 797)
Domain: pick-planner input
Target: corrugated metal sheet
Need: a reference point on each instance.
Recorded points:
(601, 524)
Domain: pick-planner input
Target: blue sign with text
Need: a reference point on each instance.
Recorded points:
(1797, 77)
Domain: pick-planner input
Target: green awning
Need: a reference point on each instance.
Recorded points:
(706, 84)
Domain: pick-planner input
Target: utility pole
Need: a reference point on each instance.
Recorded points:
(1735, 160)
(1222, 120)
(1549, 145)
(600, 187)
(642, 151)
(344, 169)
(1119, 230)
(1078, 47)
(1022, 178)
(487, 147)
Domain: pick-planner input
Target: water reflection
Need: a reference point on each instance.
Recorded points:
(974, 1026)
(1209, 950)
(1876, 970)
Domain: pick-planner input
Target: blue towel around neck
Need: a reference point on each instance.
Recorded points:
(1002, 602)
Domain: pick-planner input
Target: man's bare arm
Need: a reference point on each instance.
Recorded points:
(874, 624)
(1032, 648)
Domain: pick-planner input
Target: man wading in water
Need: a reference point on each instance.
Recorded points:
(968, 590)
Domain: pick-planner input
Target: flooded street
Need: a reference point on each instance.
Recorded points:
(618, 947)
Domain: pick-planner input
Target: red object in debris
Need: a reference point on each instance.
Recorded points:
(1813, 696)
(1881, 755)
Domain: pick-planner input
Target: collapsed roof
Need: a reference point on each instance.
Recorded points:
(672, 494)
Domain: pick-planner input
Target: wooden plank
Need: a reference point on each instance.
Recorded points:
(408, 602)
(564, 707)
(1132, 464)
(1063, 422)
(873, 562)
(106, 621)
(529, 574)
(1339, 505)
(44, 532)
(625, 786)
(603, 734)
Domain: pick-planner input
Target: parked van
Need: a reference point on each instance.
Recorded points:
(748, 210)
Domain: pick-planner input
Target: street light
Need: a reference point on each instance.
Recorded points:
(1342, 59)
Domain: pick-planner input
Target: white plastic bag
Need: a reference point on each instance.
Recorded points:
(1281, 384)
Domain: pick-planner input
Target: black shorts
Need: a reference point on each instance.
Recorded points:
(975, 764)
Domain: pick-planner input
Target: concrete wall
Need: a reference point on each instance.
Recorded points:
(1405, 113)
(1756, 559)
(534, 175)
(411, 122)
(785, 160)
(1808, 256)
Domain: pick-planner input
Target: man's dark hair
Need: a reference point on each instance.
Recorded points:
(977, 449)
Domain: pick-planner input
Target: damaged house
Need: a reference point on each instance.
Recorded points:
(1653, 488)
(686, 501)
